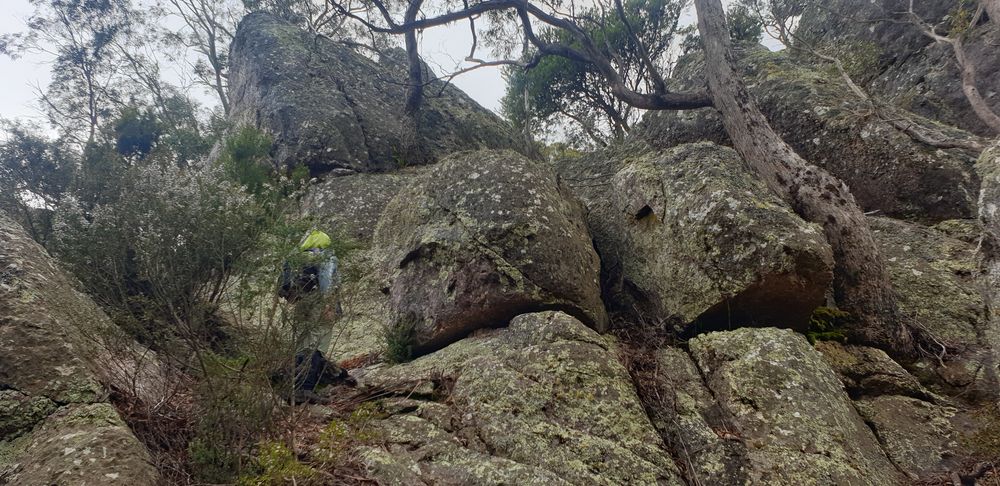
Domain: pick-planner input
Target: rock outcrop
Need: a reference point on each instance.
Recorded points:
(789, 410)
(934, 276)
(826, 124)
(543, 401)
(688, 233)
(480, 238)
(351, 205)
(909, 69)
(56, 426)
(330, 108)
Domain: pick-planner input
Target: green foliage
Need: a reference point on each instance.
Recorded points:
(84, 37)
(399, 338)
(233, 410)
(560, 92)
(34, 174)
(278, 466)
(136, 132)
(778, 17)
(959, 20)
(859, 58)
(826, 324)
(246, 158)
(745, 27)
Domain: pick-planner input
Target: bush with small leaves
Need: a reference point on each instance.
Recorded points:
(399, 339)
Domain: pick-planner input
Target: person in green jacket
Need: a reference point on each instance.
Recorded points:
(321, 268)
(318, 244)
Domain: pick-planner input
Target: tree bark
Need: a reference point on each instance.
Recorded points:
(415, 82)
(970, 89)
(861, 284)
(988, 168)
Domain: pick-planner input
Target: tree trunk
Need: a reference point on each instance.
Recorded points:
(861, 284)
(988, 168)
(415, 82)
(971, 90)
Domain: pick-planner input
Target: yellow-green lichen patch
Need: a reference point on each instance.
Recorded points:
(545, 395)
(790, 409)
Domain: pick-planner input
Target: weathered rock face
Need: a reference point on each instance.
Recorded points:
(351, 205)
(694, 426)
(789, 409)
(482, 237)
(688, 233)
(866, 371)
(543, 401)
(934, 276)
(333, 109)
(817, 115)
(917, 436)
(912, 71)
(55, 426)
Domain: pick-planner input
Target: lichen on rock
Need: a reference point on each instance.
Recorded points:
(480, 238)
(688, 233)
(543, 401)
(790, 409)
(332, 109)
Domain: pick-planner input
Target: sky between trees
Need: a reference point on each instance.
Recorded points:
(444, 48)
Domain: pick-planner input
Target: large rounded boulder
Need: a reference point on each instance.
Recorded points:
(57, 355)
(483, 237)
(689, 234)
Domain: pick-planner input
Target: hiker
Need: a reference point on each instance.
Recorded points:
(309, 281)
(320, 269)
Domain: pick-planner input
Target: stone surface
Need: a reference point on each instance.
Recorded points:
(82, 444)
(867, 371)
(694, 427)
(934, 277)
(351, 205)
(543, 401)
(687, 233)
(911, 71)
(480, 238)
(330, 108)
(790, 410)
(826, 124)
(917, 436)
(55, 426)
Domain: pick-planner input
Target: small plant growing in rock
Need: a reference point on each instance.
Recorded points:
(278, 465)
(399, 339)
(826, 324)
(339, 436)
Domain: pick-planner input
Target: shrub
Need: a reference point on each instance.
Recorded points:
(186, 259)
(399, 338)
(277, 465)
(233, 409)
(245, 159)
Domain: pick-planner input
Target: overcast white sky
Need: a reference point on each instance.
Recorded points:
(442, 47)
